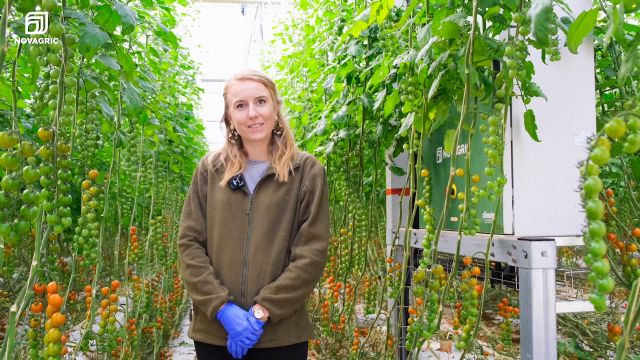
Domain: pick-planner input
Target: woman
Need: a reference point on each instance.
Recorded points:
(254, 232)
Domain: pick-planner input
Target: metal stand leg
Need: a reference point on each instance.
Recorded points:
(538, 313)
(401, 316)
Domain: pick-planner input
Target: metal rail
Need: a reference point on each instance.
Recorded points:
(536, 261)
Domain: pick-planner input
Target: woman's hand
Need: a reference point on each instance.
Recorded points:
(243, 329)
(263, 310)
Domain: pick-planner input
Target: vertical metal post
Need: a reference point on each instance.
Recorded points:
(400, 314)
(538, 336)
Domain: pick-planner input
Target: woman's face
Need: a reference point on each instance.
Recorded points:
(252, 111)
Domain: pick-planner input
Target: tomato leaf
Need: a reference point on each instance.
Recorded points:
(328, 83)
(628, 66)
(127, 17)
(407, 122)
(449, 30)
(106, 109)
(615, 14)
(380, 99)
(440, 60)
(530, 124)
(542, 17)
(81, 16)
(108, 61)
(107, 18)
(396, 170)
(434, 85)
(377, 77)
(390, 103)
(580, 28)
(357, 28)
(92, 38)
(423, 52)
(366, 101)
(131, 97)
(128, 66)
(449, 137)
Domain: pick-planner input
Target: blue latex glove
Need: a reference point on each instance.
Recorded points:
(243, 329)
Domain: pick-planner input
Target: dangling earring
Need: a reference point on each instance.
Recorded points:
(278, 130)
(233, 136)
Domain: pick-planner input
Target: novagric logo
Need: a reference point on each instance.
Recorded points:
(36, 23)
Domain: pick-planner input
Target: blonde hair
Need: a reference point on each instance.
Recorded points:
(232, 157)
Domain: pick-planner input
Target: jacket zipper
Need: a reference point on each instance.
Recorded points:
(247, 240)
(247, 244)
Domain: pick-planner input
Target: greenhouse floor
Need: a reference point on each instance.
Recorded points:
(182, 348)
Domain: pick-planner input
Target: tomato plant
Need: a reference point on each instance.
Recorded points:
(110, 93)
(365, 82)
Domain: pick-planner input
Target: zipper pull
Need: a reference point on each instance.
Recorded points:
(249, 207)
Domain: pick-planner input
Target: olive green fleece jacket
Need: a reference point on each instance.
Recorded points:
(269, 248)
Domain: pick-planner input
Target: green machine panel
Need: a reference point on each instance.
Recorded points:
(438, 162)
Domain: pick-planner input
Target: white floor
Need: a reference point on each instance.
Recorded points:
(182, 347)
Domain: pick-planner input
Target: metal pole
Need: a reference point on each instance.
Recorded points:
(538, 337)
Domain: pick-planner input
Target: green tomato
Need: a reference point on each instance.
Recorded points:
(28, 212)
(518, 18)
(46, 181)
(5, 229)
(594, 209)
(10, 183)
(27, 149)
(26, 6)
(30, 174)
(632, 145)
(56, 29)
(605, 284)
(592, 187)
(70, 81)
(54, 348)
(71, 40)
(9, 161)
(599, 301)
(615, 128)
(7, 139)
(419, 275)
(22, 227)
(601, 267)
(67, 222)
(56, 46)
(510, 51)
(597, 248)
(600, 155)
(30, 196)
(49, 5)
(591, 169)
(53, 219)
(12, 238)
(5, 200)
(604, 142)
(54, 59)
(34, 51)
(48, 206)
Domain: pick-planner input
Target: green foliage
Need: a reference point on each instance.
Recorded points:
(580, 28)
(364, 82)
(105, 121)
